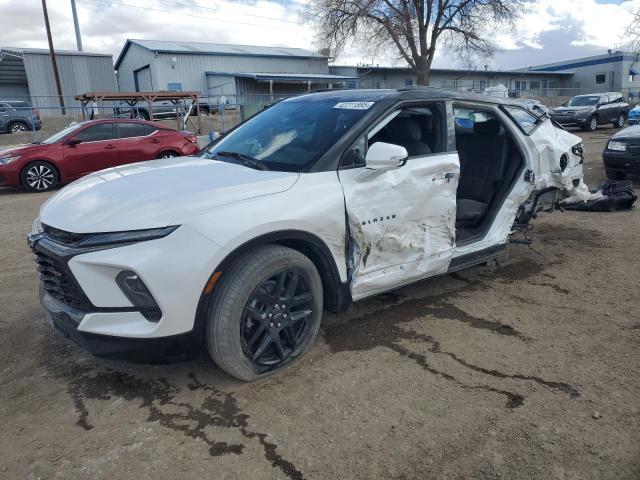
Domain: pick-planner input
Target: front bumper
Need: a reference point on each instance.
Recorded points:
(66, 319)
(566, 121)
(633, 121)
(81, 286)
(10, 175)
(623, 162)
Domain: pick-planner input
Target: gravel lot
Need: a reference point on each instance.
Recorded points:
(528, 372)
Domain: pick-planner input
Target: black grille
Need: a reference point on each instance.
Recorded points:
(633, 148)
(58, 281)
(61, 236)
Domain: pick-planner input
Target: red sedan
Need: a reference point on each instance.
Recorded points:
(87, 147)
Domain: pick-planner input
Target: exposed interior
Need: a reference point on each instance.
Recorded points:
(489, 164)
(414, 128)
(490, 160)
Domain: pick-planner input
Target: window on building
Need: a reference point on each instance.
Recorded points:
(174, 87)
(408, 82)
(483, 85)
(535, 85)
(601, 78)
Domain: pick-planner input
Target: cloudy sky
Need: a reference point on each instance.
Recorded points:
(549, 30)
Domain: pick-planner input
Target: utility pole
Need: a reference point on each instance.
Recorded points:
(54, 64)
(76, 25)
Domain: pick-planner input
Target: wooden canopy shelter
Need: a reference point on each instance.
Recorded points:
(133, 98)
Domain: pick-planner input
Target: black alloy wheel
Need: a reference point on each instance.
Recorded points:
(277, 318)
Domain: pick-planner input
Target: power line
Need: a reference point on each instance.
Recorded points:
(171, 12)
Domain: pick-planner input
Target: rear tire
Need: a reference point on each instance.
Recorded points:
(265, 312)
(17, 127)
(39, 176)
(167, 154)
(615, 175)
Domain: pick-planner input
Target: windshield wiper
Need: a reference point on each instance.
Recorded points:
(246, 160)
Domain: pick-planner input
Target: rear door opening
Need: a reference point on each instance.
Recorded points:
(490, 163)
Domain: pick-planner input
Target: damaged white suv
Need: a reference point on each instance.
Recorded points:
(315, 202)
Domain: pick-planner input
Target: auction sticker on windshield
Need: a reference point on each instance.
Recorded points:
(354, 105)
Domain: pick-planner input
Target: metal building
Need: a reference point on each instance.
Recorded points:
(519, 83)
(242, 74)
(617, 71)
(27, 74)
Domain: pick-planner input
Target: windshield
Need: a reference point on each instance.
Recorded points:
(584, 101)
(61, 134)
(291, 135)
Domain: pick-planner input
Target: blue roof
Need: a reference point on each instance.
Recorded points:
(198, 48)
(295, 77)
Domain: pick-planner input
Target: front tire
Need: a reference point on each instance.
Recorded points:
(265, 312)
(592, 124)
(619, 123)
(39, 176)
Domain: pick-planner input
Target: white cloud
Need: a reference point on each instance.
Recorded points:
(600, 24)
(577, 25)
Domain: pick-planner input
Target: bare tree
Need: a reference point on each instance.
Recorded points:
(633, 34)
(413, 27)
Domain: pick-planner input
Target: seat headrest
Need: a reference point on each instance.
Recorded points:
(404, 130)
(489, 128)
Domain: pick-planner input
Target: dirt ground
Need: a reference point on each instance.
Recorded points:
(528, 372)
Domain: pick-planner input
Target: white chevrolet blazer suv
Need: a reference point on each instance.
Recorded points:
(315, 202)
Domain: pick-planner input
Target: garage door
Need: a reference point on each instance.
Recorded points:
(221, 86)
(142, 80)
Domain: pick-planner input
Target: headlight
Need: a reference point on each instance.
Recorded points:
(578, 150)
(617, 146)
(8, 159)
(132, 236)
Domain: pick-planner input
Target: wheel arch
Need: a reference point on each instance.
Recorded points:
(337, 295)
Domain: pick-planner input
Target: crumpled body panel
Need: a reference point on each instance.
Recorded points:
(402, 222)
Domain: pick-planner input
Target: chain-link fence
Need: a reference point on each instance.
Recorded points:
(33, 119)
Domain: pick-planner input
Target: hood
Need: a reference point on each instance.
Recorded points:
(629, 132)
(20, 149)
(156, 193)
(572, 109)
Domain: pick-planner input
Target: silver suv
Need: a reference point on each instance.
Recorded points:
(18, 116)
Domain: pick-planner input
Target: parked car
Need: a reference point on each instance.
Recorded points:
(87, 147)
(621, 155)
(634, 115)
(162, 109)
(589, 111)
(17, 116)
(313, 203)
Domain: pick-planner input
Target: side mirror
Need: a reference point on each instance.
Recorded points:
(385, 156)
(72, 142)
